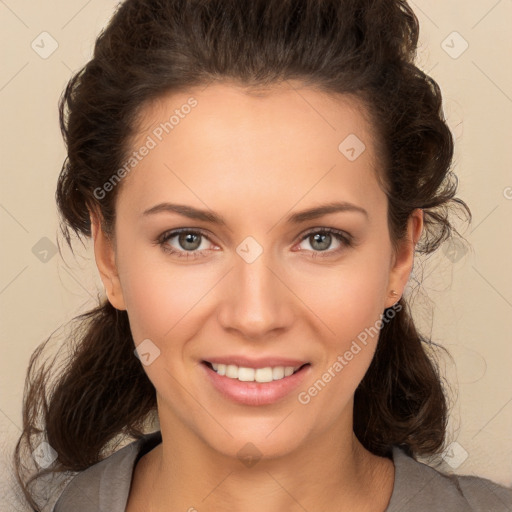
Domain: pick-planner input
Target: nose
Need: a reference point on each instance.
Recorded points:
(256, 302)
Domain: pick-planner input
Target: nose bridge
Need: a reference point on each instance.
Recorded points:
(255, 301)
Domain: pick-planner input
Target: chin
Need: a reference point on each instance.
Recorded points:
(255, 444)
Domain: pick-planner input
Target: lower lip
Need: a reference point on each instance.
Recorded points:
(256, 393)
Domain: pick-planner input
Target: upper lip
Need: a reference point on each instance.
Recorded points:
(260, 362)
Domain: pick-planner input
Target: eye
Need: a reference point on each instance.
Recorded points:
(186, 245)
(321, 239)
(190, 243)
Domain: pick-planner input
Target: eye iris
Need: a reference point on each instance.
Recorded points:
(321, 237)
(185, 239)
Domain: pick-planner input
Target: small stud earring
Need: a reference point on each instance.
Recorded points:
(394, 293)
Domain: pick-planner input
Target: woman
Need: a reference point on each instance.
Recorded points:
(256, 177)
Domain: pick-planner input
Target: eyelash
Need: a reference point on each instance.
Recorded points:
(344, 238)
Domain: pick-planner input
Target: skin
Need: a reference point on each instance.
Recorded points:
(255, 159)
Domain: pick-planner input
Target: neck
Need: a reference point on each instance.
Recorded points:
(330, 472)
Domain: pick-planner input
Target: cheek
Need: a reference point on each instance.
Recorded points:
(158, 303)
(347, 298)
(160, 296)
(349, 302)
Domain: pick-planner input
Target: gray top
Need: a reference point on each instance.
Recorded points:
(105, 486)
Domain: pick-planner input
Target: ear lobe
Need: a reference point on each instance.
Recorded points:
(403, 259)
(104, 255)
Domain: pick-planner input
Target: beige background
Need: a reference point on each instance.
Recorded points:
(470, 293)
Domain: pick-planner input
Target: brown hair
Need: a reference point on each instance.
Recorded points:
(152, 47)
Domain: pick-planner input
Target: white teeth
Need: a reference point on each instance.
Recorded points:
(232, 371)
(278, 372)
(245, 374)
(263, 375)
(288, 370)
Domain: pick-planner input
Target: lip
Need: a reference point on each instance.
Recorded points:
(256, 393)
(260, 362)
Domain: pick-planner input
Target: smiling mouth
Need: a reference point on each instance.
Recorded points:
(246, 374)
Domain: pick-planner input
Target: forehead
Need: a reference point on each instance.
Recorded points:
(221, 106)
(283, 142)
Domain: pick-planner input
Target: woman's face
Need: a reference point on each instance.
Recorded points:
(253, 280)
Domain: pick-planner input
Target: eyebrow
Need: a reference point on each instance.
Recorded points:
(294, 218)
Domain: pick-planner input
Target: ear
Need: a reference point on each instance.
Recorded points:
(403, 258)
(105, 261)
